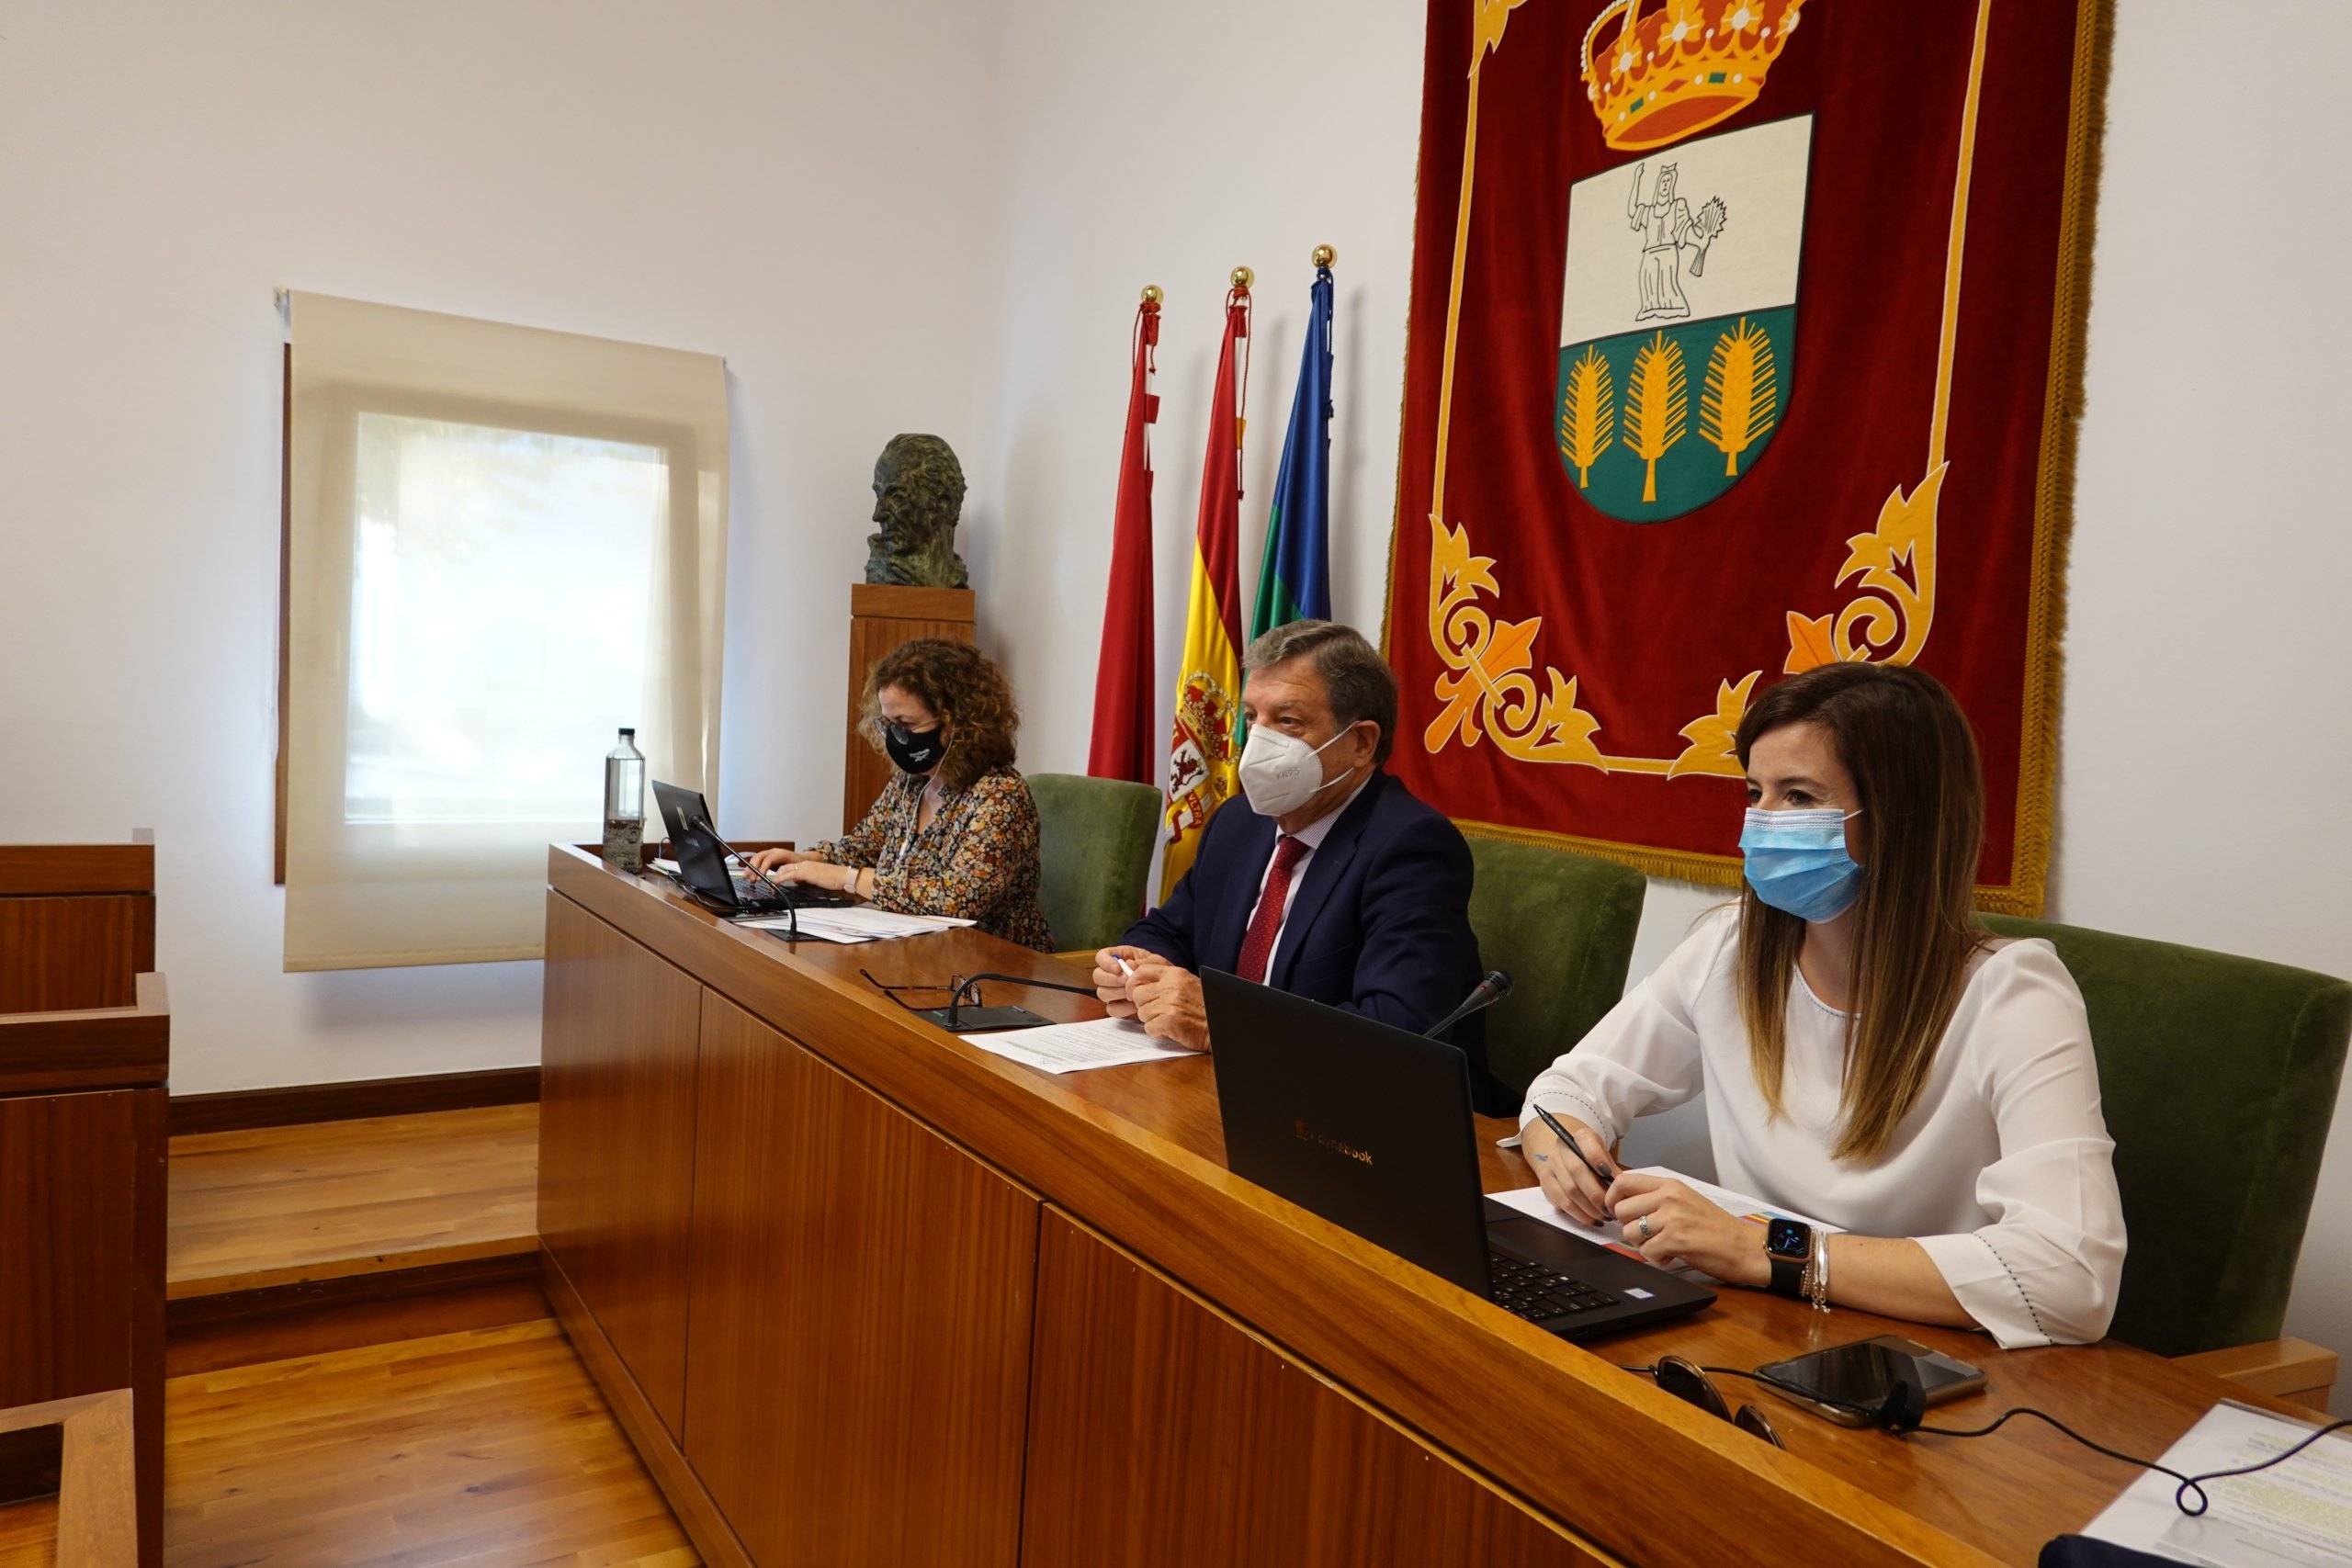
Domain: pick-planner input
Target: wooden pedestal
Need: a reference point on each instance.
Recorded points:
(881, 616)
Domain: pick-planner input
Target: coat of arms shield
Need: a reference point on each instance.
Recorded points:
(1678, 319)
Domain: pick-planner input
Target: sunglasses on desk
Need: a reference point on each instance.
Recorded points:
(1686, 1381)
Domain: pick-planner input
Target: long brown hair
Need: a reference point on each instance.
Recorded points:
(1913, 760)
(969, 692)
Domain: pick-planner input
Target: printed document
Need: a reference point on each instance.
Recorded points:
(854, 923)
(2294, 1515)
(1074, 1047)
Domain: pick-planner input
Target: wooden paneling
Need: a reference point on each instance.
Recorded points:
(79, 952)
(862, 1305)
(615, 1185)
(881, 616)
(66, 1211)
(277, 1206)
(35, 869)
(290, 1105)
(103, 1048)
(1163, 1434)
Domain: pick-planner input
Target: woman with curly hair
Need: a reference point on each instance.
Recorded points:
(954, 831)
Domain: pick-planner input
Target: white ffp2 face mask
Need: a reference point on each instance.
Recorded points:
(1278, 770)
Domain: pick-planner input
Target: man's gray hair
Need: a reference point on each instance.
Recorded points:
(1359, 681)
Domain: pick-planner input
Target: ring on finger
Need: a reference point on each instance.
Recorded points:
(1644, 1222)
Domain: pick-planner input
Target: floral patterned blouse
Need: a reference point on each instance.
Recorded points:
(977, 861)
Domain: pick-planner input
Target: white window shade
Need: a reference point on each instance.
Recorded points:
(503, 544)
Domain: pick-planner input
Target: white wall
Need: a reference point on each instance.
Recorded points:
(2207, 734)
(796, 187)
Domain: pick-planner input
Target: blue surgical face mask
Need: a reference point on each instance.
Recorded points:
(1797, 861)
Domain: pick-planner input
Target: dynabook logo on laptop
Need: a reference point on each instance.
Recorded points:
(1307, 1134)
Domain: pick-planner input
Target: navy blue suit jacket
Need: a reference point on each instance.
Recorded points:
(1381, 925)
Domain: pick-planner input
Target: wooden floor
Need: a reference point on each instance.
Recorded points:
(280, 1205)
(488, 1447)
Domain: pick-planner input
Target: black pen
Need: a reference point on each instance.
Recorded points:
(1574, 1147)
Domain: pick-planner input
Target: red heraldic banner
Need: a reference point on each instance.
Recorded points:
(1745, 336)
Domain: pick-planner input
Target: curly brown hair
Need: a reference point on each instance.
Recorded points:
(965, 688)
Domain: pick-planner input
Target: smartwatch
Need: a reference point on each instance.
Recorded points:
(1789, 1243)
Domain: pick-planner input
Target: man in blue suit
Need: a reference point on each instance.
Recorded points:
(1330, 880)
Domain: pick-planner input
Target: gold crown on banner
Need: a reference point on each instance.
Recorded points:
(1680, 67)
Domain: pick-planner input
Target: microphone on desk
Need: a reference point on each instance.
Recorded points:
(971, 983)
(1486, 993)
(791, 904)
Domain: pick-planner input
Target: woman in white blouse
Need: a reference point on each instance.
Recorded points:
(1870, 1054)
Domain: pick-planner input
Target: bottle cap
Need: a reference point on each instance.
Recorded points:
(627, 733)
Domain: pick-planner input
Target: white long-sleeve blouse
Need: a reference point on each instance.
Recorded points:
(2003, 1170)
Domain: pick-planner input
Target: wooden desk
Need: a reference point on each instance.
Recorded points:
(862, 1292)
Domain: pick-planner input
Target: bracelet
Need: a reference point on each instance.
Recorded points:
(850, 886)
(1816, 1274)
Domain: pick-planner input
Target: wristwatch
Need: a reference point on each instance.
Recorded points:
(1789, 1243)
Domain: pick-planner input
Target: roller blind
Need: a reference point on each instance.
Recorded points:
(503, 544)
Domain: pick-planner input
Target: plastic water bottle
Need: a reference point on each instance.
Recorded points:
(624, 806)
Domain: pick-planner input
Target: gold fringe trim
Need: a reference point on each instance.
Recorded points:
(2053, 509)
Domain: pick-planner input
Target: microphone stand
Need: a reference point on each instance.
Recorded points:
(791, 905)
(971, 983)
(1484, 994)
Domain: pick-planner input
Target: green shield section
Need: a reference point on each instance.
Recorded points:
(1654, 423)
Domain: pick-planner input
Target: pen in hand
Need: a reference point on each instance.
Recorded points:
(1600, 1174)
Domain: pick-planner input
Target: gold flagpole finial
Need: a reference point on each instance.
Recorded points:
(1324, 255)
(1243, 277)
(1151, 294)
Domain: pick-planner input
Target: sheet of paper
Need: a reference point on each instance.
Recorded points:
(1531, 1201)
(2295, 1514)
(1074, 1047)
(856, 922)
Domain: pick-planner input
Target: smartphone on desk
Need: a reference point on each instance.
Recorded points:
(1846, 1383)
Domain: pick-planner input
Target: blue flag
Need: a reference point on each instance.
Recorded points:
(1295, 578)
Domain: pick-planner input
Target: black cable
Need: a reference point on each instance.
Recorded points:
(2180, 1496)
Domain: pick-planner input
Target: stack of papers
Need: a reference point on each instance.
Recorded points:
(1531, 1201)
(1074, 1047)
(2298, 1512)
(856, 922)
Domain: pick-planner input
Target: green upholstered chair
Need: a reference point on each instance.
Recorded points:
(1562, 927)
(2219, 1078)
(1095, 839)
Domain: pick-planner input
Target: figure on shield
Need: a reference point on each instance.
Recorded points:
(1667, 226)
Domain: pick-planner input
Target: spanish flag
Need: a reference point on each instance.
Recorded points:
(1204, 755)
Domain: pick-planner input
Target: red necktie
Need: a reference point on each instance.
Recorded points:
(1267, 923)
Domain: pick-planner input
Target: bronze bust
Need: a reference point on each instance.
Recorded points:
(918, 496)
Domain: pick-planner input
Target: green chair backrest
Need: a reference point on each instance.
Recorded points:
(2217, 1076)
(1562, 927)
(1094, 850)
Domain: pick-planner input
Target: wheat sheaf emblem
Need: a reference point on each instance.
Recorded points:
(1742, 394)
(1588, 414)
(1657, 404)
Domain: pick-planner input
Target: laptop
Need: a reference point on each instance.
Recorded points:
(703, 866)
(1370, 1127)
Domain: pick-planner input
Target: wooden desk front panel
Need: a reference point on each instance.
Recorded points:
(66, 954)
(617, 1140)
(68, 1244)
(858, 1384)
(1162, 1433)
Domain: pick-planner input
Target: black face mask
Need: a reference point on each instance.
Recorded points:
(915, 751)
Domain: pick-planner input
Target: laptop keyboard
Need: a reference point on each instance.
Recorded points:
(1535, 1292)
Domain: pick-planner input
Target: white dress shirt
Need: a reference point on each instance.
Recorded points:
(2003, 1170)
(1311, 837)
